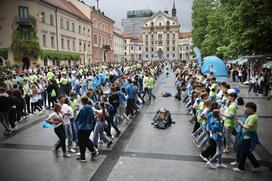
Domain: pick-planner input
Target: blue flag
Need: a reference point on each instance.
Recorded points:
(197, 52)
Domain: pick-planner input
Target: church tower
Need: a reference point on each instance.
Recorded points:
(174, 10)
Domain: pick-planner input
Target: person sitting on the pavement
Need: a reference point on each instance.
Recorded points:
(162, 119)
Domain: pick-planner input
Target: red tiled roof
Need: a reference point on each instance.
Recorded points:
(126, 35)
(183, 35)
(68, 7)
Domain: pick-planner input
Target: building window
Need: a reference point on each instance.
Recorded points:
(146, 49)
(74, 46)
(52, 41)
(174, 35)
(73, 27)
(152, 49)
(83, 30)
(79, 29)
(167, 55)
(146, 56)
(131, 47)
(62, 43)
(168, 49)
(44, 41)
(146, 36)
(174, 55)
(68, 44)
(51, 19)
(67, 25)
(140, 48)
(99, 40)
(168, 36)
(125, 53)
(174, 49)
(61, 23)
(80, 48)
(125, 47)
(94, 22)
(84, 47)
(88, 32)
(89, 47)
(23, 12)
(95, 39)
(43, 17)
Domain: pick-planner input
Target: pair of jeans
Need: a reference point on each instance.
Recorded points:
(69, 135)
(5, 120)
(111, 123)
(60, 132)
(130, 106)
(34, 106)
(27, 100)
(227, 134)
(151, 94)
(210, 150)
(246, 153)
(99, 131)
(85, 142)
(74, 129)
(218, 154)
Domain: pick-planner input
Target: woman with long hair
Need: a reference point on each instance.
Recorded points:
(56, 118)
(100, 125)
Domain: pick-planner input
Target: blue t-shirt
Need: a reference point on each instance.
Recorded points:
(130, 91)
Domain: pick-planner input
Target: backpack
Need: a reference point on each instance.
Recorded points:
(53, 93)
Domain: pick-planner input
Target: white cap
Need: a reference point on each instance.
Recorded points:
(162, 109)
(231, 91)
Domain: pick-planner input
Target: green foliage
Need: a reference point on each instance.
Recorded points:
(231, 28)
(25, 42)
(60, 55)
(4, 53)
(16, 66)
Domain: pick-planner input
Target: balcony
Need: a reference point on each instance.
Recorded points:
(24, 21)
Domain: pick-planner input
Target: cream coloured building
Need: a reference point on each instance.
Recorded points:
(161, 36)
(185, 43)
(119, 44)
(63, 31)
(133, 48)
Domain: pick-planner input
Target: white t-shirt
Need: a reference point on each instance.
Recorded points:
(66, 109)
(54, 115)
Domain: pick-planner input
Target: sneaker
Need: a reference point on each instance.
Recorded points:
(13, 129)
(78, 154)
(211, 165)
(203, 158)
(81, 160)
(66, 155)
(109, 143)
(56, 152)
(256, 169)
(234, 163)
(238, 170)
(226, 150)
(71, 150)
(117, 134)
(94, 154)
(7, 132)
(221, 165)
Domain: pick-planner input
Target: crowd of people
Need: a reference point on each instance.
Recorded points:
(260, 83)
(217, 129)
(80, 105)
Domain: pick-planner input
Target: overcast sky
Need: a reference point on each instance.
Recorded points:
(117, 9)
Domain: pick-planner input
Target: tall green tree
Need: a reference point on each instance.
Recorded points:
(233, 27)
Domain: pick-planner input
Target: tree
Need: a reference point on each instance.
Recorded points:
(231, 28)
(25, 41)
